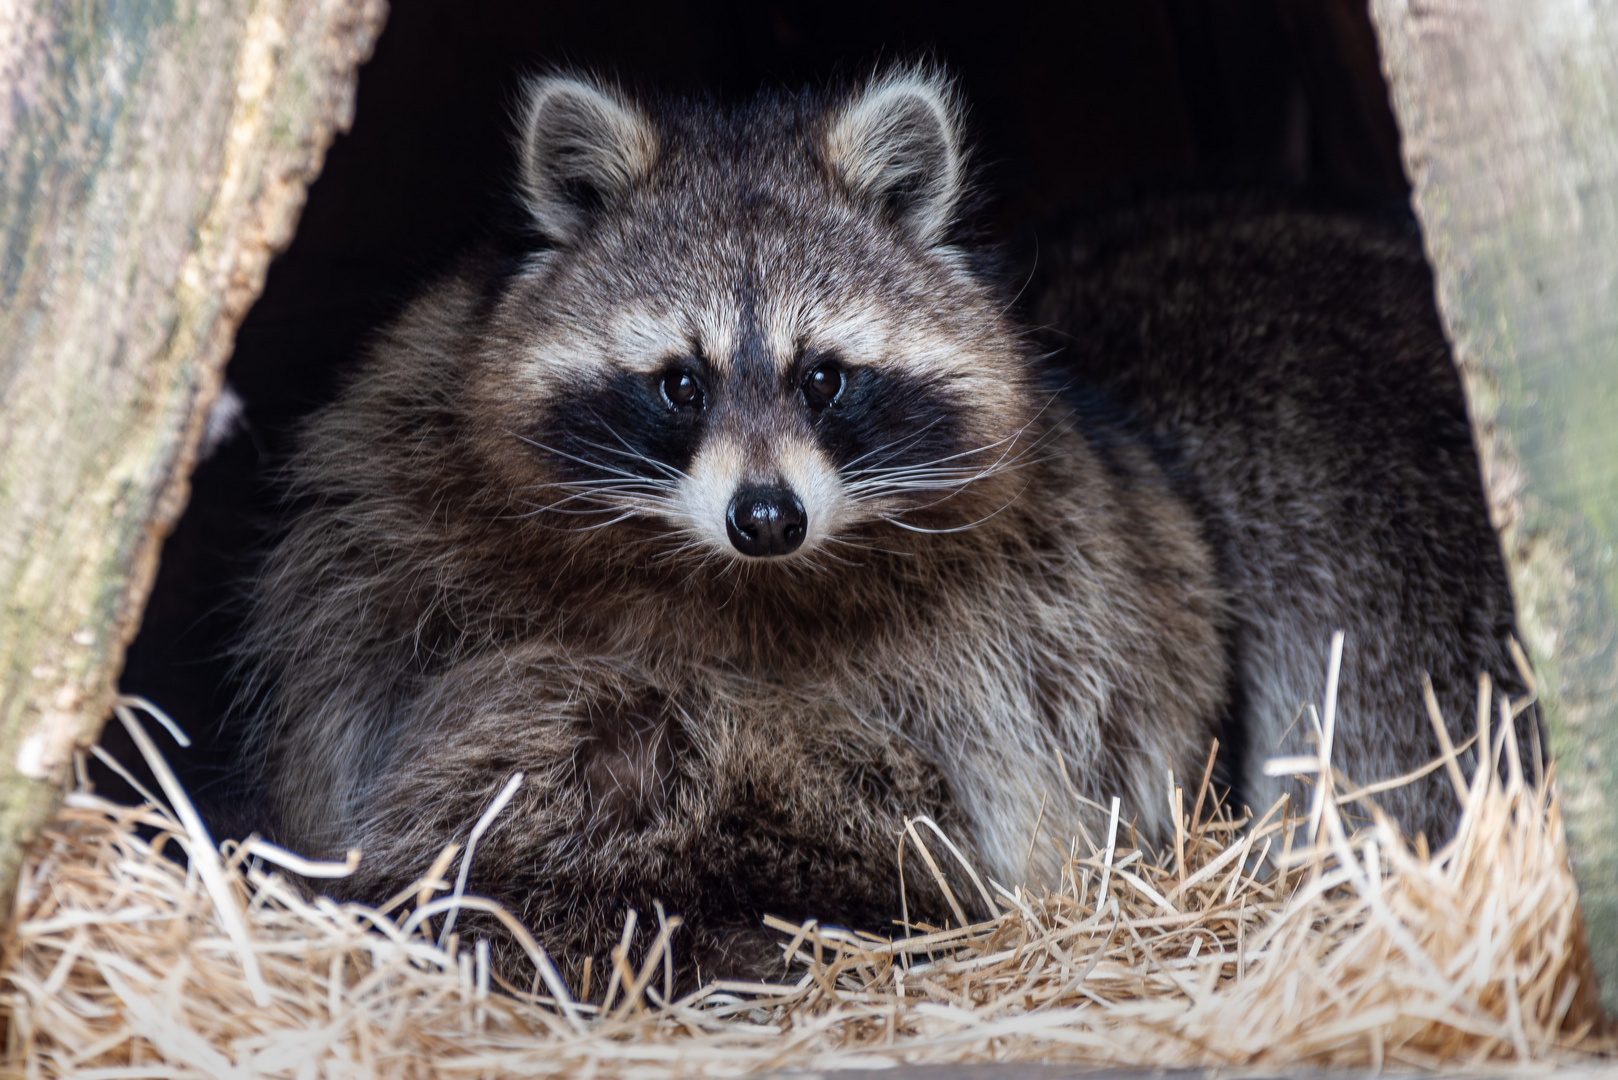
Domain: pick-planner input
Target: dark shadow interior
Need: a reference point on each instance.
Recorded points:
(1072, 105)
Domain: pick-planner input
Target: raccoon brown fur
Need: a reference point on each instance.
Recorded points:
(740, 515)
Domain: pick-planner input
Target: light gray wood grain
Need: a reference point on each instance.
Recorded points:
(153, 156)
(1509, 116)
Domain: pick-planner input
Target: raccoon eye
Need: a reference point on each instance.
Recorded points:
(681, 390)
(823, 385)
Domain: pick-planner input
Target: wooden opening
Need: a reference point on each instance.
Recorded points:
(115, 323)
(1104, 102)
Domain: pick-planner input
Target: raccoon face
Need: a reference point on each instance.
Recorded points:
(748, 328)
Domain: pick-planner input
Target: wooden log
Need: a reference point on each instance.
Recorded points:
(153, 157)
(1509, 115)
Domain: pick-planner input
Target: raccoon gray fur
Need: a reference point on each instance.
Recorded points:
(1290, 372)
(742, 517)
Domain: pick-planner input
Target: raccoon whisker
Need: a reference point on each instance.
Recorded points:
(919, 480)
(642, 501)
(597, 506)
(934, 463)
(885, 491)
(606, 489)
(937, 494)
(596, 526)
(896, 446)
(920, 473)
(1023, 455)
(801, 567)
(1033, 269)
(625, 510)
(610, 470)
(1045, 438)
(839, 560)
(927, 476)
(906, 476)
(609, 491)
(627, 497)
(612, 473)
(893, 520)
(608, 481)
(635, 455)
(920, 468)
(630, 452)
(599, 509)
(732, 569)
(625, 516)
(918, 507)
(951, 457)
(870, 547)
(547, 509)
(952, 482)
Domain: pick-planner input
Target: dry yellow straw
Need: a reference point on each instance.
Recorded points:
(1261, 942)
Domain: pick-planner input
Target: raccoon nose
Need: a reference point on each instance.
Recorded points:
(766, 521)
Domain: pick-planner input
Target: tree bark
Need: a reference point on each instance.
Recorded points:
(153, 157)
(1509, 114)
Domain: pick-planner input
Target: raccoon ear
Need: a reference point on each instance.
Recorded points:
(583, 145)
(898, 143)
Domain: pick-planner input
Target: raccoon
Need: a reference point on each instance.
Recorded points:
(738, 517)
(740, 514)
(1289, 371)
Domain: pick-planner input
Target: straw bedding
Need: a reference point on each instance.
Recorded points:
(1320, 937)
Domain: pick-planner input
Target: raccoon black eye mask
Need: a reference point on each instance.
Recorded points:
(745, 521)
(879, 435)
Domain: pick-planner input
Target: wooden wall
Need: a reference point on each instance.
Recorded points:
(1509, 116)
(153, 157)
